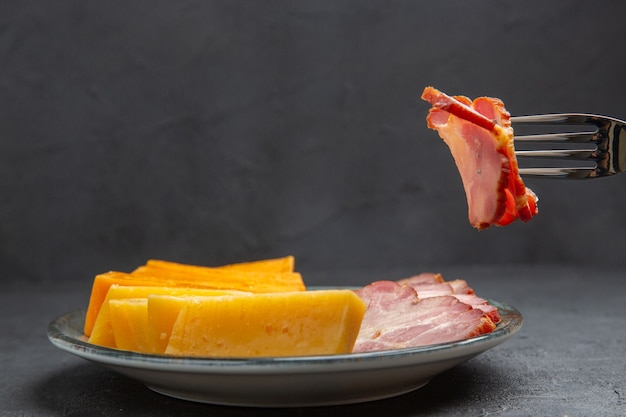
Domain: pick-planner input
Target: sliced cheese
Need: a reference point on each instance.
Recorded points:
(279, 324)
(223, 279)
(251, 281)
(163, 311)
(129, 323)
(280, 265)
(99, 290)
(102, 333)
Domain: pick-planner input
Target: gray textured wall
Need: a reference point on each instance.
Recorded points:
(220, 131)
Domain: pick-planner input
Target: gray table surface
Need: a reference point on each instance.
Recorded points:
(569, 358)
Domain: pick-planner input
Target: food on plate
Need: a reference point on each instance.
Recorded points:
(431, 285)
(99, 289)
(421, 311)
(188, 310)
(166, 268)
(279, 324)
(162, 313)
(102, 332)
(231, 277)
(129, 324)
(480, 138)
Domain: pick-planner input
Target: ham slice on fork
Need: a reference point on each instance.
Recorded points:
(480, 138)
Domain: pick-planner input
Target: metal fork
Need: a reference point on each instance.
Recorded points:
(607, 145)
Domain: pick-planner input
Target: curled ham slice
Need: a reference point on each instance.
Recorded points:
(480, 138)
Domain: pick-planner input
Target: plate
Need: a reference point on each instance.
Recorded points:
(285, 381)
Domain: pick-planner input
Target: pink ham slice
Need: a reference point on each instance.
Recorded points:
(480, 304)
(457, 288)
(480, 138)
(431, 287)
(423, 278)
(396, 318)
(387, 296)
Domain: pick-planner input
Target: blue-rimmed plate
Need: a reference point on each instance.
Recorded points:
(285, 381)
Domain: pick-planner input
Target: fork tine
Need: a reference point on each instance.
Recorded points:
(609, 138)
(559, 153)
(574, 137)
(571, 173)
(557, 118)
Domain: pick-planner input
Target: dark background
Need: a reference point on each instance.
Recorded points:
(213, 132)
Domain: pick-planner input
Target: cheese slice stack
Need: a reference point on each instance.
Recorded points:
(252, 309)
(269, 275)
(280, 324)
(102, 333)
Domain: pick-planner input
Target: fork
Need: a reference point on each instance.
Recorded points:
(607, 150)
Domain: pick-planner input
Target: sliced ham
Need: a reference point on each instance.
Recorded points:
(397, 318)
(457, 288)
(431, 290)
(387, 295)
(480, 138)
(423, 278)
(429, 280)
(480, 304)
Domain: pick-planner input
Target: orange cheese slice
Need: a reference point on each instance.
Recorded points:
(278, 324)
(280, 265)
(99, 290)
(227, 278)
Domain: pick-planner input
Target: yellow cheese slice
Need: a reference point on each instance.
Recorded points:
(129, 323)
(162, 314)
(102, 333)
(277, 324)
(163, 311)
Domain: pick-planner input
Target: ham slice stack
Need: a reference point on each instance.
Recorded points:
(480, 138)
(421, 310)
